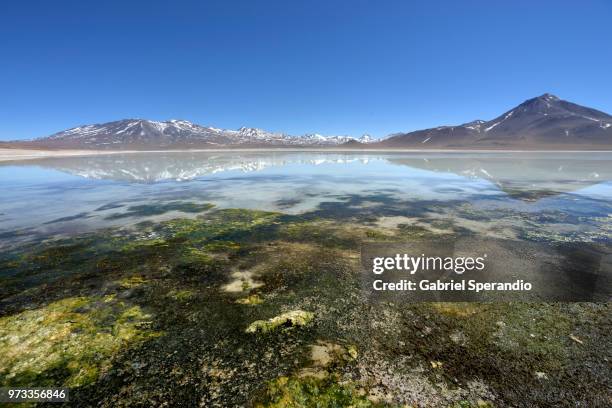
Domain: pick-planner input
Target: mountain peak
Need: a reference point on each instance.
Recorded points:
(549, 97)
(366, 138)
(544, 104)
(543, 100)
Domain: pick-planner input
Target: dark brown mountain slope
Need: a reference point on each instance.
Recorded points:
(545, 122)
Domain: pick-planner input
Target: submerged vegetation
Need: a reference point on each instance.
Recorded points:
(73, 338)
(313, 392)
(253, 308)
(294, 318)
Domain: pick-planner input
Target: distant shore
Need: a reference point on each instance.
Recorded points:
(29, 154)
(18, 154)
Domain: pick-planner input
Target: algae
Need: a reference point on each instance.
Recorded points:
(294, 318)
(251, 300)
(309, 392)
(171, 277)
(69, 342)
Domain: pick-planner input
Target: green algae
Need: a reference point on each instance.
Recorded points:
(536, 330)
(195, 255)
(294, 318)
(56, 256)
(412, 231)
(468, 404)
(520, 349)
(251, 300)
(181, 295)
(177, 269)
(309, 392)
(132, 282)
(531, 332)
(146, 244)
(69, 342)
(221, 246)
(352, 351)
(227, 227)
(373, 234)
(331, 234)
(321, 232)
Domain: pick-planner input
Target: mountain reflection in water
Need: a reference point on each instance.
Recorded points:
(74, 194)
(585, 167)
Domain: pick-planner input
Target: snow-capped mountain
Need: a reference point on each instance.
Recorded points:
(366, 138)
(545, 122)
(137, 133)
(148, 134)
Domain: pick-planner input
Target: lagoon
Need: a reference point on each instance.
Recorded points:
(230, 278)
(507, 195)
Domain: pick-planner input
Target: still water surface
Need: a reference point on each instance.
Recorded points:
(540, 196)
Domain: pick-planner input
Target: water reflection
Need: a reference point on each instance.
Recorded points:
(496, 192)
(181, 166)
(563, 170)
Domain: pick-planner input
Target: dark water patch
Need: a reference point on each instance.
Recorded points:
(147, 210)
(360, 207)
(13, 234)
(287, 202)
(80, 216)
(110, 206)
(446, 190)
(530, 195)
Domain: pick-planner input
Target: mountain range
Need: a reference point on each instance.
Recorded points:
(542, 122)
(142, 134)
(545, 122)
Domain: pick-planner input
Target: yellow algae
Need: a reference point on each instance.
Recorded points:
(132, 282)
(289, 319)
(457, 309)
(250, 300)
(314, 391)
(181, 295)
(75, 336)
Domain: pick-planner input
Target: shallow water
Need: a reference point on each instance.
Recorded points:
(565, 196)
(202, 305)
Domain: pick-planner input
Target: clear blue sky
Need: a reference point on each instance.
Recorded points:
(333, 67)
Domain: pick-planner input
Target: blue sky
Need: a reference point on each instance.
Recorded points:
(332, 67)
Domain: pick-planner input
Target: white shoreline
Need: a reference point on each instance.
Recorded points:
(9, 154)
